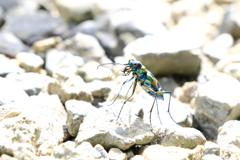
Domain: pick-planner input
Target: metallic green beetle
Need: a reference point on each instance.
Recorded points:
(147, 81)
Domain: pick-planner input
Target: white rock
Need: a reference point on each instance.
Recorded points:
(90, 72)
(29, 61)
(211, 148)
(123, 133)
(10, 92)
(228, 139)
(211, 157)
(49, 114)
(165, 59)
(100, 88)
(116, 154)
(68, 86)
(67, 150)
(214, 106)
(77, 111)
(31, 83)
(21, 128)
(153, 152)
(180, 137)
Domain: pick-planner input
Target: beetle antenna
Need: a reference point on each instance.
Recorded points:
(110, 63)
(115, 73)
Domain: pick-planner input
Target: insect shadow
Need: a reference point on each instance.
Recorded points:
(146, 80)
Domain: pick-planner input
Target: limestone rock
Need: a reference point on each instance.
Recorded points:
(77, 111)
(74, 10)
(31, 83)
(228, 140)
(83, 45)
(90, 72)
(153, 152)
(69, 86)
(211, 148)
(117, 154)
(42, 46)
(9, 66)
(213, 105)
(10, 92)
(180, 137)
(30, 62)
(101, 124)
(49, 115)
(10, 44)
(165, 59)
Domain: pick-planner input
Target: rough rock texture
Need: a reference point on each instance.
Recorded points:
(10, 44)
(31, 83)
(10, 92)
(228, 140)
(83, 45)
(211, 148)
(180, 137)
(18, 128)
(153, 152)
(49, 115)
(214, 106)
(187, 92)
(101, 127)
(90, 72)
(166, 60)
(180, 113)
(69, 86)
(29, 61)
(77, 111)
(31, 27)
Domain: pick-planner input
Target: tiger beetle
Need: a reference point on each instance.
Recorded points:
(147, 81)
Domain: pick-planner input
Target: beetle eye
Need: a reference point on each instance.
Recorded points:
(135, 64)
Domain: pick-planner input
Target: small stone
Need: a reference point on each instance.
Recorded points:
(100, 88)
(116, 154)
(30, 62)
(218, 48)
(7, 157)
(19, 129)
(77, 111)
(102, 151)
(233, 70)
(10, 92)
(9, 66)
(90, 72)
(211, 157)
(211, 148)
(42, 46)
(187, 92)
(69, 86)
(31, 83)
(10, 44)
(86, 147)
(228, 138)
(74, 10)
(138, 157)
(153, 152)
(83, 45)
(34, 26)
(67, 150)
(180, 137)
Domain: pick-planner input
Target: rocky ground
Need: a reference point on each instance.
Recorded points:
(56, 104)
